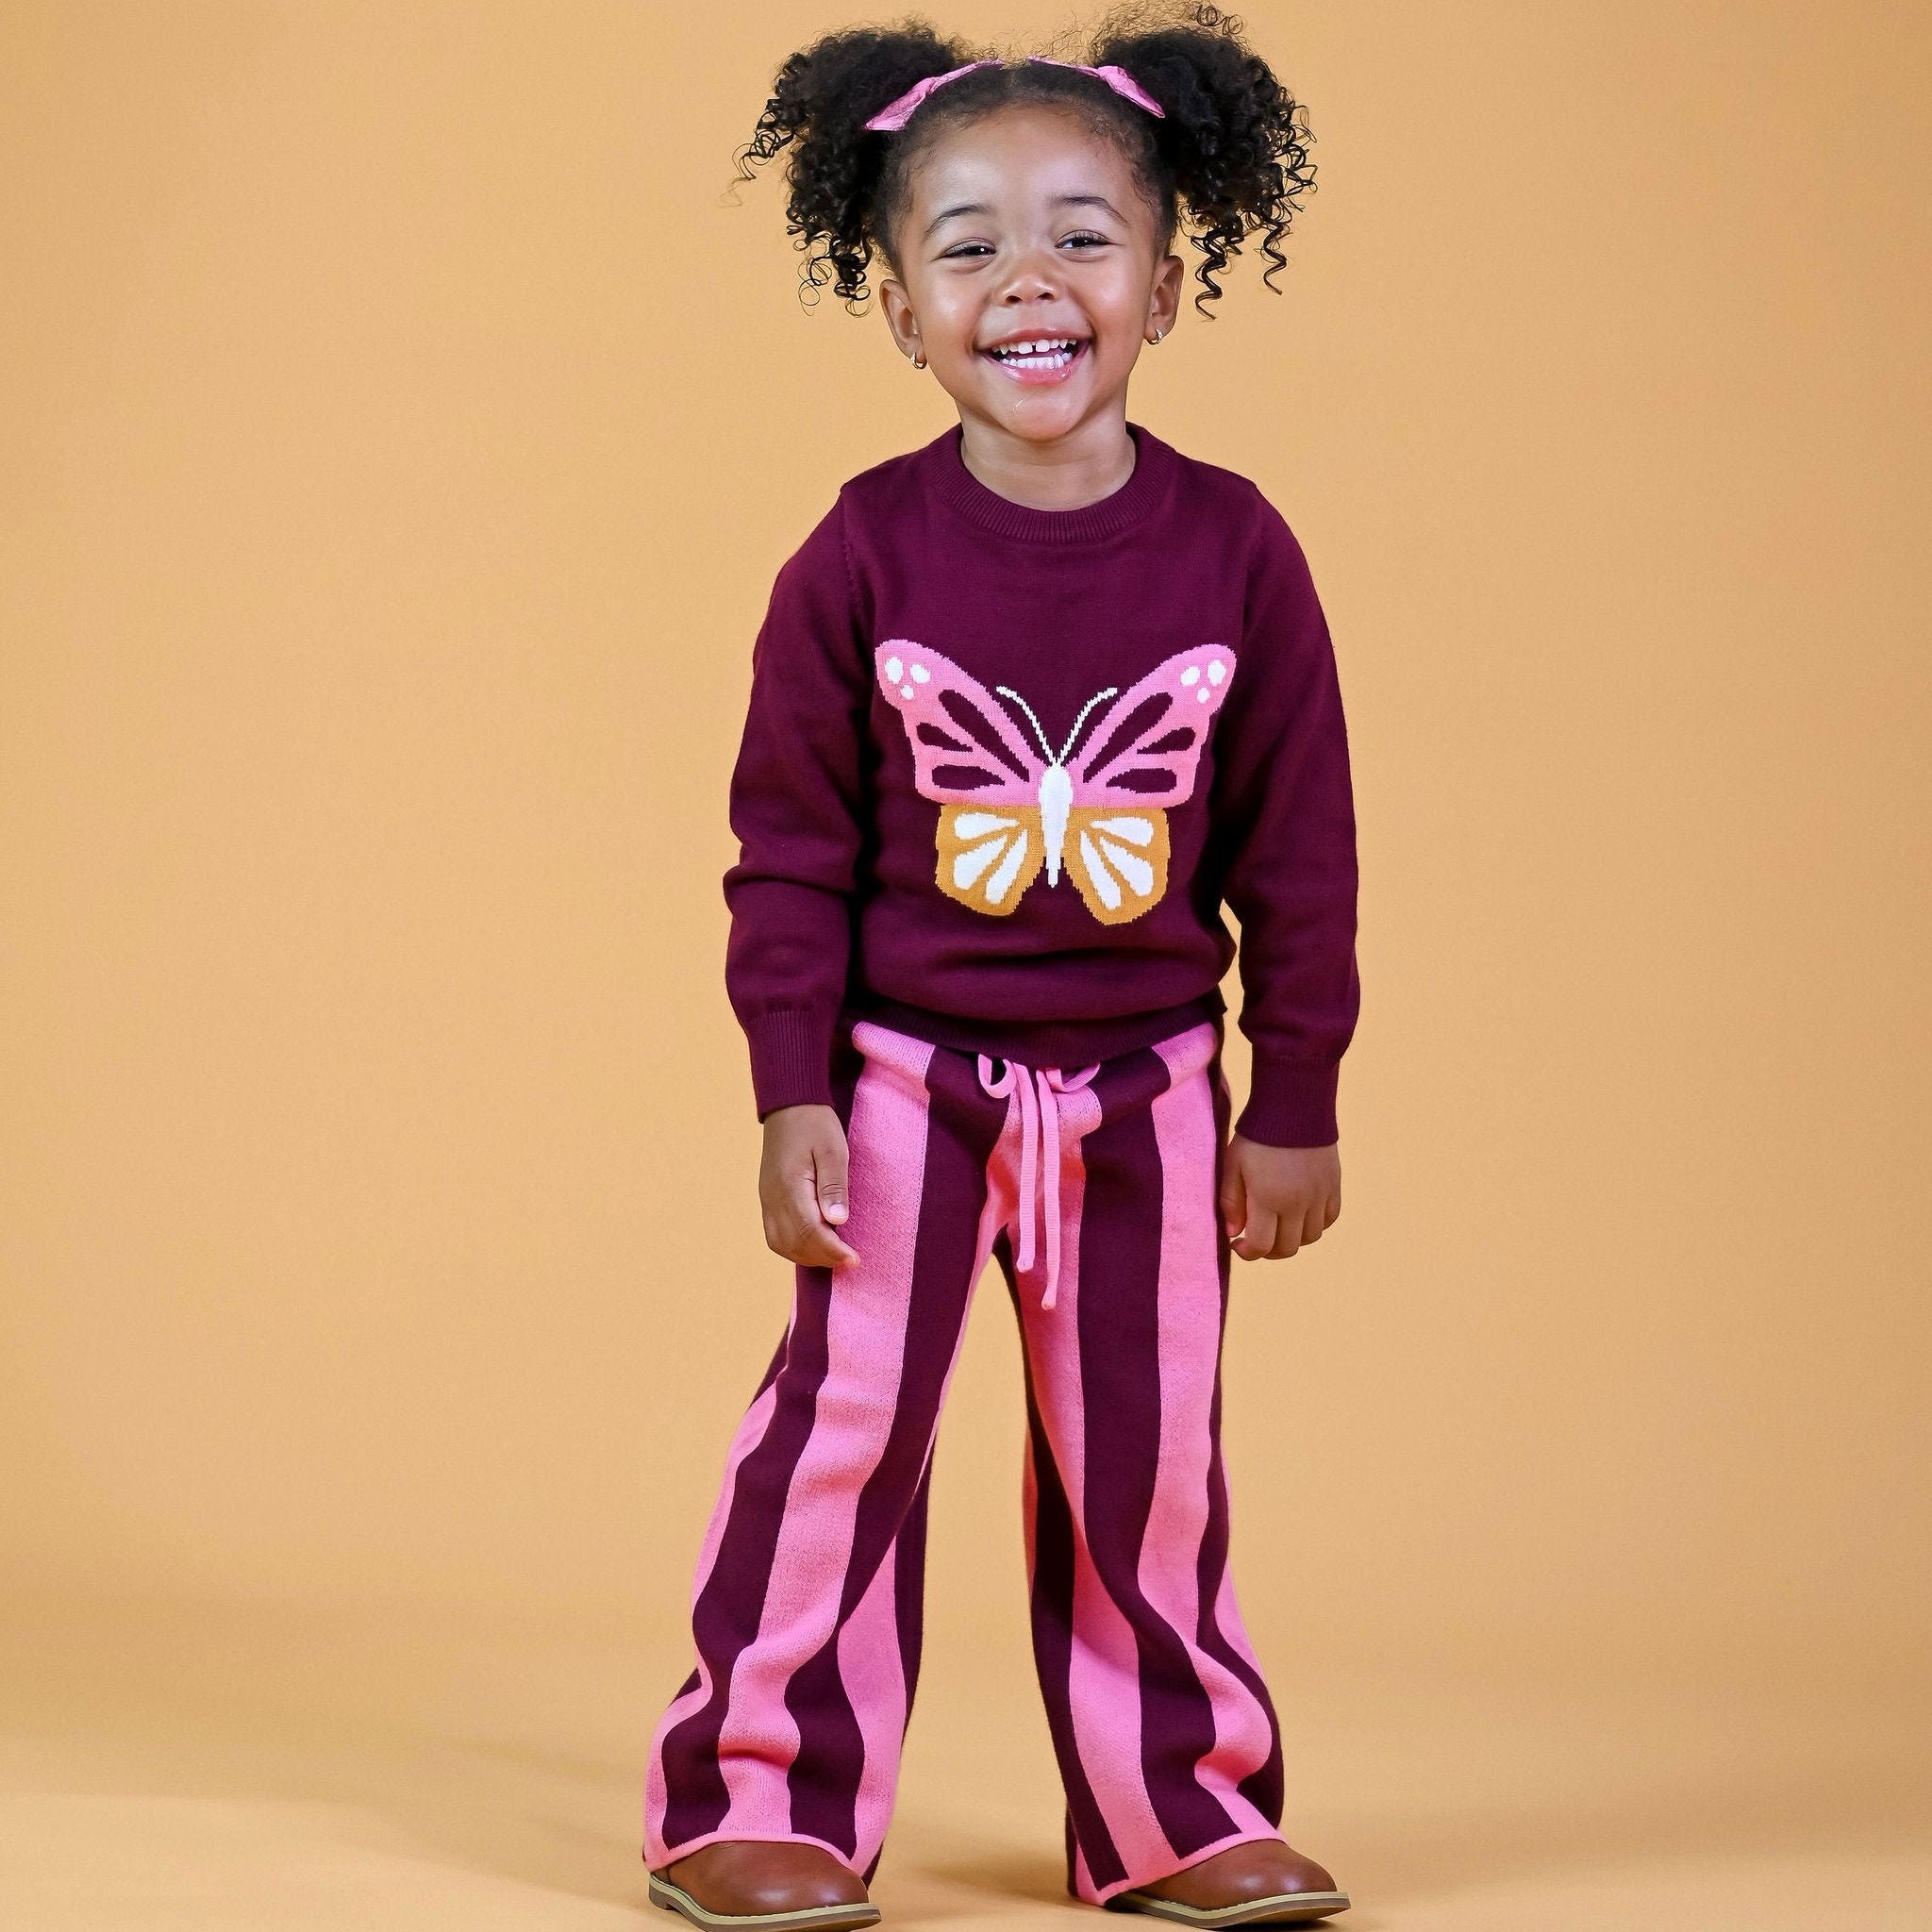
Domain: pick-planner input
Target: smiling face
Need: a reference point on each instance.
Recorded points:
(1029, 272)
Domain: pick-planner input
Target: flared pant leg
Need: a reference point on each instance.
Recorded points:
(1166, 1736)
(805, 1611)
(807, 1604)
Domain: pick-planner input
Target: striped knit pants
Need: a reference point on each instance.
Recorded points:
(1095, 1192)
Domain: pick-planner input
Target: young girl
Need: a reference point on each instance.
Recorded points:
(1028, 705)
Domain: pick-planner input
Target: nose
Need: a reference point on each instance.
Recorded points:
(1034, 276)
(1030, 299)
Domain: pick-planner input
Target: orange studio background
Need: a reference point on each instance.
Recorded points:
(399, 431)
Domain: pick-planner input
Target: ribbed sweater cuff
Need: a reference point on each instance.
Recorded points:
(1292, 1104)
(791, 1058)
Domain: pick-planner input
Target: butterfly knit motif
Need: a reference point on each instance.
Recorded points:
(1007, 811)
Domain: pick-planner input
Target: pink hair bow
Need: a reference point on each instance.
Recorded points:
(1122, 82)
(895, 114)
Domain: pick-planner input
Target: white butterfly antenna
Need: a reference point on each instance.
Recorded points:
(1112, 690)
(1006, 691)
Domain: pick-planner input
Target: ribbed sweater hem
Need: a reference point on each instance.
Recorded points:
(1292, 1103)
(1068, 1044)
(790, 1058)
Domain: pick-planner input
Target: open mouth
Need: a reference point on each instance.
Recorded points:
(1039, 354)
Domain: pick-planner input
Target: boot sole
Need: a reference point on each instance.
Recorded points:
(673, 1898)
(1284, 1909)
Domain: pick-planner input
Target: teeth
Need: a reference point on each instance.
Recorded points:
(1046, 345)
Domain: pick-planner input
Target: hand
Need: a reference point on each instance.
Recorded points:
(801, 1185)
(1275, 1200)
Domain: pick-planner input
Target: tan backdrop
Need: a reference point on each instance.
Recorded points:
(401, 430)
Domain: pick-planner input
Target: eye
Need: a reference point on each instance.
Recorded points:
(962, 250)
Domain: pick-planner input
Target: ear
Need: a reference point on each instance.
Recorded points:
(896, 306)
(1164, 297)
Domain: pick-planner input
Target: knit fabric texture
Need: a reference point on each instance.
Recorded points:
(1004, 770)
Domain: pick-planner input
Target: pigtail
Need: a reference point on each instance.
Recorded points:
(820, 100)
(1235, 142)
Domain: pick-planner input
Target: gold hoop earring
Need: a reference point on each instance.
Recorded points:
(919, 358)
(1157, 335)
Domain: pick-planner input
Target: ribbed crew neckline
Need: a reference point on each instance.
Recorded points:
(960, 489)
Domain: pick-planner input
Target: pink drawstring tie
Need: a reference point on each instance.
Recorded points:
(1039, 1152)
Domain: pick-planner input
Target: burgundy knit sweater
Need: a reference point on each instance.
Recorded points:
(1002, 767)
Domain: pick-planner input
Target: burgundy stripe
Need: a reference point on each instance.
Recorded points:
(963, 1124)
(1120, 1379)
(1127, 1084)
(1263, 1787)
(908, 1559)
(726, 1616)
(909, 1555)
(1053, 1624)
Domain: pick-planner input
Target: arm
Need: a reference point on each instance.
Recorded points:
(1285, 822)
(797, 809)
(1285, 818)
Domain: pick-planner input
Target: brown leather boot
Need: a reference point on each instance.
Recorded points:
(1262, 1883)
(757, 1885)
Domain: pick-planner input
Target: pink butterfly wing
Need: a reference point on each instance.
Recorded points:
(1147, 744)
(965, 749)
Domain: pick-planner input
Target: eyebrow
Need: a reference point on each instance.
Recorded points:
(980, 207)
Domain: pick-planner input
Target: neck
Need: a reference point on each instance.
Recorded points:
(1091, 461)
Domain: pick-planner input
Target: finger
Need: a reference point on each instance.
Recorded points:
(805, 1240)
(1291, 1235)
(1257, 1238)
(1312, 1224)
(1234, 1200)
(794, 1229)
(819, 1247)
(784, 1232)
(829, 1167)
(796, 1211)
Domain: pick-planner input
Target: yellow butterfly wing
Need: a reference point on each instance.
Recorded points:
(989, 855)
(1118, 857)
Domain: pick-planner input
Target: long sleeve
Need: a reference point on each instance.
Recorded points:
(796, 808)
(1286, 835)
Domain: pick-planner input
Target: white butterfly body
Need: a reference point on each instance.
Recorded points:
(1055, 803)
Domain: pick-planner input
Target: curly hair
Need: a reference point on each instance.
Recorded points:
(1229, 159)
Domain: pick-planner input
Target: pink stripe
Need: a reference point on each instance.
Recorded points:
(1189, 1314)
(870, 1661)
(1227, 1619)
(874, 1672)
(1104, 1669)
(751, 1432)
(866, 1337)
